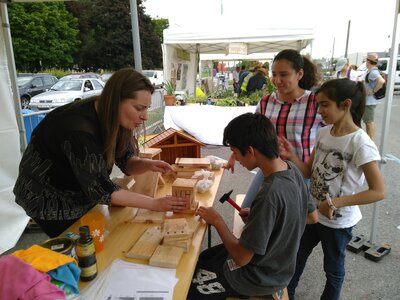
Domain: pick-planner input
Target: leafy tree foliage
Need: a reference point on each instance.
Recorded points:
(44, 35)
(159, 26)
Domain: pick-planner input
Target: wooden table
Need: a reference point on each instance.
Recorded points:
(122, 233)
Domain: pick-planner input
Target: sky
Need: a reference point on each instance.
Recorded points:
(371, 26)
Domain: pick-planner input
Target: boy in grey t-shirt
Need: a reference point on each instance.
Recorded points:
(262, 261)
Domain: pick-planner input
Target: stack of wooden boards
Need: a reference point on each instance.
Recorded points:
(164, 245)
(186, 167)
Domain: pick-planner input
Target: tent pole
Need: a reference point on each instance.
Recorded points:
(387, 111)
(13, 74)
(197, 62)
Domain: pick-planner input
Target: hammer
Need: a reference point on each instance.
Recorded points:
(226, 197)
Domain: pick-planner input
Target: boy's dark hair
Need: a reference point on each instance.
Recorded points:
(253, 130)
(339, 90)
(310, 77)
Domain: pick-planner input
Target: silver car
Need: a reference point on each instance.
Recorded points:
(66, 91)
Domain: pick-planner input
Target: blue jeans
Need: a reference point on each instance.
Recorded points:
(333, 242)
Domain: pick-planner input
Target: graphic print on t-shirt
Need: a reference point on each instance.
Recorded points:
(328, 172)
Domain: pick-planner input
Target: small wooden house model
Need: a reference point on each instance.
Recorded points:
(175, 144)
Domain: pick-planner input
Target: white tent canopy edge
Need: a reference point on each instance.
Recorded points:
(259, 40)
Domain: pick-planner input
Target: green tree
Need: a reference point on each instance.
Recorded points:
(113, 46)
(44, 35)
(159, 25)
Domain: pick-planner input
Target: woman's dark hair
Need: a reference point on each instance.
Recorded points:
(122, 85)
(310, 77)
(254, 130)
(339, 90)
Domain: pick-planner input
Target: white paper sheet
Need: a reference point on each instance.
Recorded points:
(128, 281)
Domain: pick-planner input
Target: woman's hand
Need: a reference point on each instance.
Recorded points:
(170, 203)
(230, 165)
(209, 214)
(160, 166)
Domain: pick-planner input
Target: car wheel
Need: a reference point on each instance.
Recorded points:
(25, 102)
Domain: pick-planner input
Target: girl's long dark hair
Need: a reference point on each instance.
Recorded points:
(339, 90)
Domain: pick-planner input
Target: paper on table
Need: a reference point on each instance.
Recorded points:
(124, 280)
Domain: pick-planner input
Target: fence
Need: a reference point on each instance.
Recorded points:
(155, 117)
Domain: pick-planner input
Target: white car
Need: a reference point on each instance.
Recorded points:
(66, 91)
(155, 77)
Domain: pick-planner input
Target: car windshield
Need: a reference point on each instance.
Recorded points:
(148, 73)
(21, 81)
(67, 85)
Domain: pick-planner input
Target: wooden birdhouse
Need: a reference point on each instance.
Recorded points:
(175, 144)
(185, 188)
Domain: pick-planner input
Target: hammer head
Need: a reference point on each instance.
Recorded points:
(225, 196)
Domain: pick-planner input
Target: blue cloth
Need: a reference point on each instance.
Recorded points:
(30, 122)
(333, 242)
(373, 75)
(67, 274)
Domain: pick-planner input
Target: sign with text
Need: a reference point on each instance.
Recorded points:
(236, 48)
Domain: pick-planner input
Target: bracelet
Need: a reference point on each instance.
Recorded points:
(330, 204)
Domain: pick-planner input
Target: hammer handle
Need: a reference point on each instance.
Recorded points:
(234, 204)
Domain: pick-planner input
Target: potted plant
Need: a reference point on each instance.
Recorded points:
(169, 97)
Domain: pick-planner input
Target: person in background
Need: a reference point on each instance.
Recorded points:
(257, 81)
(292, 108)
(65, 170)
(343, 159)
(243, 86)
(375, 82)
(262, 260)
(236, 77)
(242, 75)
(343, 69)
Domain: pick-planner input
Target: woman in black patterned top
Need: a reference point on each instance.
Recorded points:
(65, 169)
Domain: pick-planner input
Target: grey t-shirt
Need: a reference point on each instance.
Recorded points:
(273, 230)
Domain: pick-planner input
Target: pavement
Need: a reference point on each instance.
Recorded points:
(365, 279)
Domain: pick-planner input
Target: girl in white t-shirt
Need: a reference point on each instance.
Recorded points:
(343, 159)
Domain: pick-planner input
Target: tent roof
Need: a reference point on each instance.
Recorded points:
(258, 39)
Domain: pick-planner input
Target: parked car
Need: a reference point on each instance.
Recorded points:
(156, 77)
(382, 65)
(106, 76)
(81, 75)
(66, 91)
(30, 85)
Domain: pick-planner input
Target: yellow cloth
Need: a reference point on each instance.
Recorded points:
(199, 92)
(43, 259)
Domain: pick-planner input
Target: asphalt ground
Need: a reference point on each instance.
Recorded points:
(365, 279)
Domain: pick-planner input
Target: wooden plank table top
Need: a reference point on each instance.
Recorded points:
(122, 233)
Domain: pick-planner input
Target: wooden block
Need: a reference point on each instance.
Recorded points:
(148, 216)
(185, 188)
(146, 244)
(184, 244)
(193, 207)
(193, 223)
(193, 162)
(125, 182)
(166, 256)
(146, 183)
(151, 153)
(176, 228)
(178, 168)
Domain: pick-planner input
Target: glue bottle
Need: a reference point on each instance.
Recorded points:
(86, 254)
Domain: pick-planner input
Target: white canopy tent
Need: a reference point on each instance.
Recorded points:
(182, 46)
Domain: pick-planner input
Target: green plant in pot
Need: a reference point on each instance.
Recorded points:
(169, 97)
